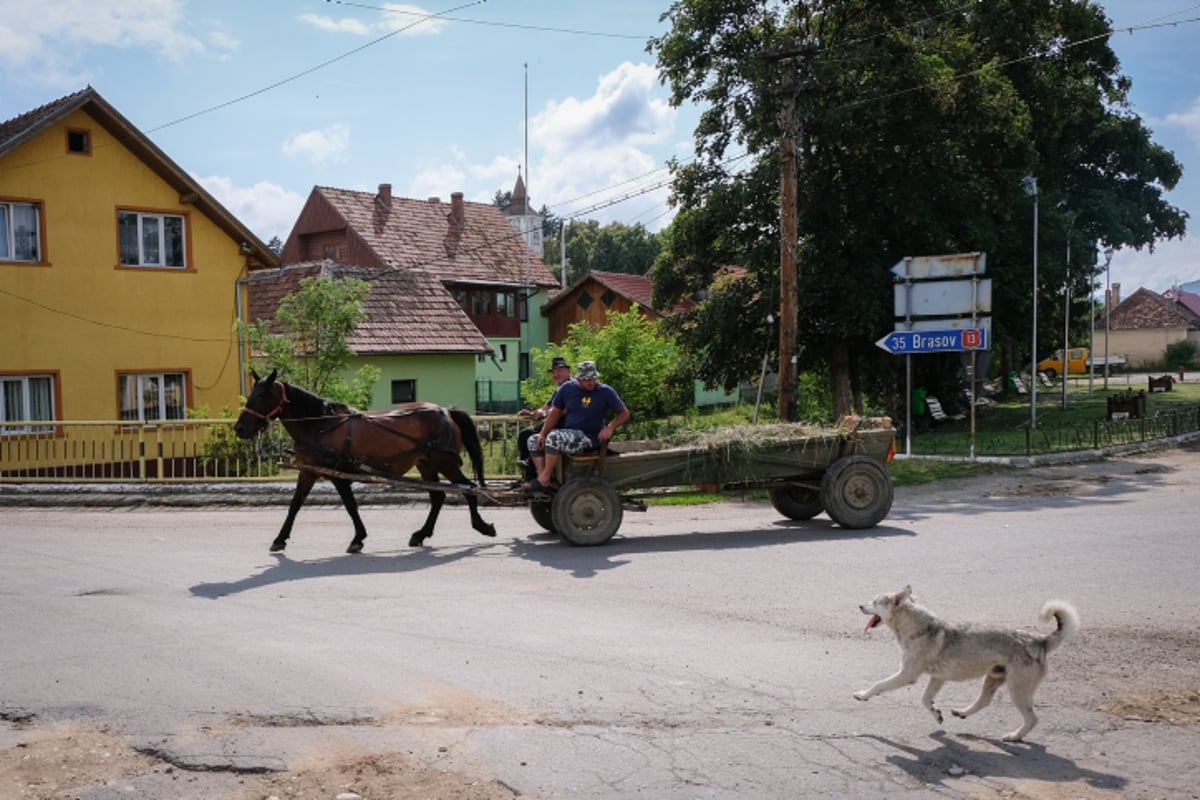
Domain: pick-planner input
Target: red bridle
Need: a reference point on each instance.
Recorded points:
(270, 415)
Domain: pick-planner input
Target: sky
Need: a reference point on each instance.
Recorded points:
(263, 100)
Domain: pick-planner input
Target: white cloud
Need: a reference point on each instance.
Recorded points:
(411, 20)
(624, 111)
(265, 208)
(1172, 262)
(319, 146)
(1189, 120)
(60, 27)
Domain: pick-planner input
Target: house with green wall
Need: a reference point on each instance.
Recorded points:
(470, 250)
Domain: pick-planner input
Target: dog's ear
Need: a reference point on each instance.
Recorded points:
(903, 594)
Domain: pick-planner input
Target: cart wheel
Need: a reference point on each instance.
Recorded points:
(586, 511)
(540, 509)
(797, 502)
(857, 492)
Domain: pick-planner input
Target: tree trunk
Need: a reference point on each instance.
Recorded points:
(839, 375)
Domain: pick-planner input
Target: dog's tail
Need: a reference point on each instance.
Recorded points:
(1067, 619)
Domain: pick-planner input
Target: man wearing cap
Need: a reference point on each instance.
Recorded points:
(582, 405)
(560, 373)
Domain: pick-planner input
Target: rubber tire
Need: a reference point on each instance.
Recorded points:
(586, 511)
(1051, 373)
(540, 510)
(797, 502)
(857, 492)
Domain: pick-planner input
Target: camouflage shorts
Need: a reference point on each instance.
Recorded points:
(565, 440)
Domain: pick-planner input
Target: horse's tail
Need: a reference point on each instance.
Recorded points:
(470, 440)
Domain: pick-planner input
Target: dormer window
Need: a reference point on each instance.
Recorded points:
(79, 142)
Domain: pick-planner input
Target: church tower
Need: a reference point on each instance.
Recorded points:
(524, 219)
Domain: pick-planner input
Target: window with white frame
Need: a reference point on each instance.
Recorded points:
(151, 239)
(148, 396)
(26, 398)
(20, 231)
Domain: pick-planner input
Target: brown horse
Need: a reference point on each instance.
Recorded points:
(335, 436)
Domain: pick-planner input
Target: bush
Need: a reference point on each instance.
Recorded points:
(1181, 354)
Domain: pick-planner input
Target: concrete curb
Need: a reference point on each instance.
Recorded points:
(272, 493)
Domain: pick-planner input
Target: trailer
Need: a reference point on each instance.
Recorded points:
(840, 470)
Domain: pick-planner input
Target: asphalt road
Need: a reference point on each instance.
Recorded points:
(705, 652)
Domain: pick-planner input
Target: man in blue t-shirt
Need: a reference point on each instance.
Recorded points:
(582, 406)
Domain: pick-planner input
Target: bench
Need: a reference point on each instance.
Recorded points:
(937, 412)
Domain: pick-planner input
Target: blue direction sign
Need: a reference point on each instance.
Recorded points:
(904, 342)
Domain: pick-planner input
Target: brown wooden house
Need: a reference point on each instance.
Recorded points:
(592, 297)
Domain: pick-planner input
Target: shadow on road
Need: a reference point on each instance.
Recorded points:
(549, 550)
(285, 570)
(1024, 761)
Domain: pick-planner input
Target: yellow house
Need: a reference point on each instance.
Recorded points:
(119, 274)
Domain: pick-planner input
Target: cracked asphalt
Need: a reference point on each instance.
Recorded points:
(706, 652)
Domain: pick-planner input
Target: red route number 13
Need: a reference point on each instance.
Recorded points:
(972, 339)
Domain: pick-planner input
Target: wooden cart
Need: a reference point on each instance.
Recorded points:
(841, 471)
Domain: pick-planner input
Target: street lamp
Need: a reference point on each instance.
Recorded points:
(1108, 254)
(1029, 184)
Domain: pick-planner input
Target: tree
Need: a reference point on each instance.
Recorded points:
(633, 357)
(614, 247)
(917, 121)
(275, 245)
(307, 339)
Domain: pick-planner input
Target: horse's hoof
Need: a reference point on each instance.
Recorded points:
(488, 530)
(416, 540)
(355, 547)
(277, 546)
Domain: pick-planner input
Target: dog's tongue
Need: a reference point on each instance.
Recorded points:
(872, 622)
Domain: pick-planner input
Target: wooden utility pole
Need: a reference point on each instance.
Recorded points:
(789, 233)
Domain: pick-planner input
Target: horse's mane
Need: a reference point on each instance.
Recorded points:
(307, 404)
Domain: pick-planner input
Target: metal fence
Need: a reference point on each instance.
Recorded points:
(179, 450)
(1048, 438)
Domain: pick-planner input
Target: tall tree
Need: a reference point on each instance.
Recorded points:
(916, 122)
(307, 339)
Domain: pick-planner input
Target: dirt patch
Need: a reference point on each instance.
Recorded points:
(62, 762)
(1173, 707)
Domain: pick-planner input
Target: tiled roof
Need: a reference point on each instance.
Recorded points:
(1189, 300)
(636, 288)
(408, 311)
(422, 234)
(1145, 309)
(20, 127)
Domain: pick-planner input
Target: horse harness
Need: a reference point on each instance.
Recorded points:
(339, 415)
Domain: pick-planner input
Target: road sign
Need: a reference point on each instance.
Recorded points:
(959, 265)
(942, 298)
(949, 341)
(945, 324)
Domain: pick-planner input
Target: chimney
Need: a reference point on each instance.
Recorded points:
(1116, 294)
(385, 195)
(458, 214)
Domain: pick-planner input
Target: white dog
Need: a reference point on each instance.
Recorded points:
(958, 652)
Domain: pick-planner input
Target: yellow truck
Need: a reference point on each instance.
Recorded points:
(1078, 363)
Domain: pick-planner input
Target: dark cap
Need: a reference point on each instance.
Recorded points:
(559, 361)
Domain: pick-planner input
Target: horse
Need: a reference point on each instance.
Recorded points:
(334, 436)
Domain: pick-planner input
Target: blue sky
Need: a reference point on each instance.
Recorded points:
(263, 99)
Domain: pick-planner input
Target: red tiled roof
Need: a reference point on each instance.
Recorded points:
(19, 128)
(408, 311)
(636, 288)
(422, 234)
(1189, 300)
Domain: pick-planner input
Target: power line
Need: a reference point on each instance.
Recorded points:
(494, 24)
(311, 70)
